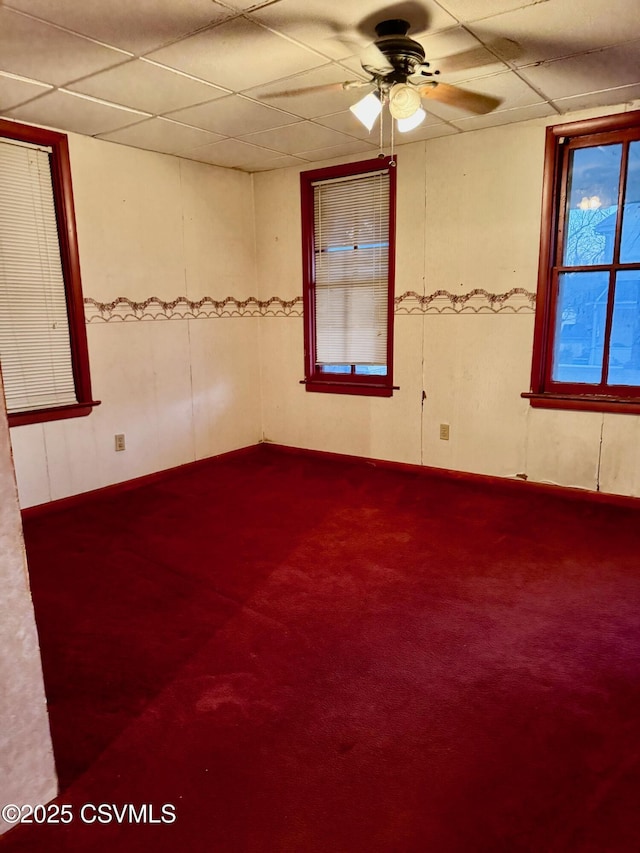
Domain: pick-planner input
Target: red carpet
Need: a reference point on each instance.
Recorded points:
(306, 655)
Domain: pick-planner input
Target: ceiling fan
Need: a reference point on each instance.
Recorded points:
(400, 77)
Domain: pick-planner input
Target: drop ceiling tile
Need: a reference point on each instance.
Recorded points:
(295, 138)
(237, 55)
(552, 30)
(16, 90)
(75, 113)
(234, 115)
(160, 134)
(344, 150)
(32, 49)
(602, 69)
(146, 86)
(506, 117)
(311, 104)
(346, 122)
(425, 131)
(338, 29)
(232, 154)
(138, 27)
(471, 10)
(608, 97)
(278, 163)
(246, 5)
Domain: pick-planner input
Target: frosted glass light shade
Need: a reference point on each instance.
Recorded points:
(404, 101)
(367, 109)
(406, 124)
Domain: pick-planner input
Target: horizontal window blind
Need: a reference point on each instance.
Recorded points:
(351, 245)
(35, 349)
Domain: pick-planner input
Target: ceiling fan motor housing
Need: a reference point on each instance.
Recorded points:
(403, 53)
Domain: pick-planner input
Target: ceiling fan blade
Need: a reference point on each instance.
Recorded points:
(476, 57)
(454, 96)
(312, 90)
(374, 60)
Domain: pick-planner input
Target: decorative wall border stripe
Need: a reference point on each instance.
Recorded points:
(181, 308)
(478, 301)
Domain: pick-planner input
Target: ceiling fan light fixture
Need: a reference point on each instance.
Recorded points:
(404, 101)
(367, 109)
(407, 124)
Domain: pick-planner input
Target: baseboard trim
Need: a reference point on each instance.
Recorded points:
(128, 485)
(487, 480)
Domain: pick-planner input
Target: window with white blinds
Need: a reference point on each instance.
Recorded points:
(348, 292)
(351, 235)
(43, 339)
(35, 346)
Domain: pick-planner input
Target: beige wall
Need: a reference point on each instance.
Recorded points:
(468, 218)
(27, 773)
(150, 225)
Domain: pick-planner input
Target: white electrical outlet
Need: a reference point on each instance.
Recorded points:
(444, 432)
(120, 445)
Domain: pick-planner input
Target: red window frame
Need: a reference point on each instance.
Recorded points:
(561, 140)
(351, 383)
(67, 237)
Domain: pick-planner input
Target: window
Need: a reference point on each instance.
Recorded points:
(43, 343)
(348, 228)
(587, 337)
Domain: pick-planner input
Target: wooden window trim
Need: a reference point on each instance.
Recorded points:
(544, 392)
(67, 236)
(364, 385)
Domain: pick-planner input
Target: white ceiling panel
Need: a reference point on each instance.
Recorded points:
(219, 69)
(557, 28)
(346, 122)
(237, 55)
(75, 113)
(146, 86)
(473, 10)
(42, 52)
(601, 69)
(628, 95)
(427, 130)
(278, 163)
(356, 146)
(295, 138)
(234, 115)
(160, 134)
(16, 90)
(247, 5)
(232, 153)
(505, 117)
(137, 26)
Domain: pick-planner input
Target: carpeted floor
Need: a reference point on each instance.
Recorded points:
(306, 655)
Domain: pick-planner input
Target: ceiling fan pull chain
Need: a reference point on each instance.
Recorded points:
(392, 161)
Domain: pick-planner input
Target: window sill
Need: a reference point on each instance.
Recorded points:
(361, 389)
(619, 405)
(38, 416)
